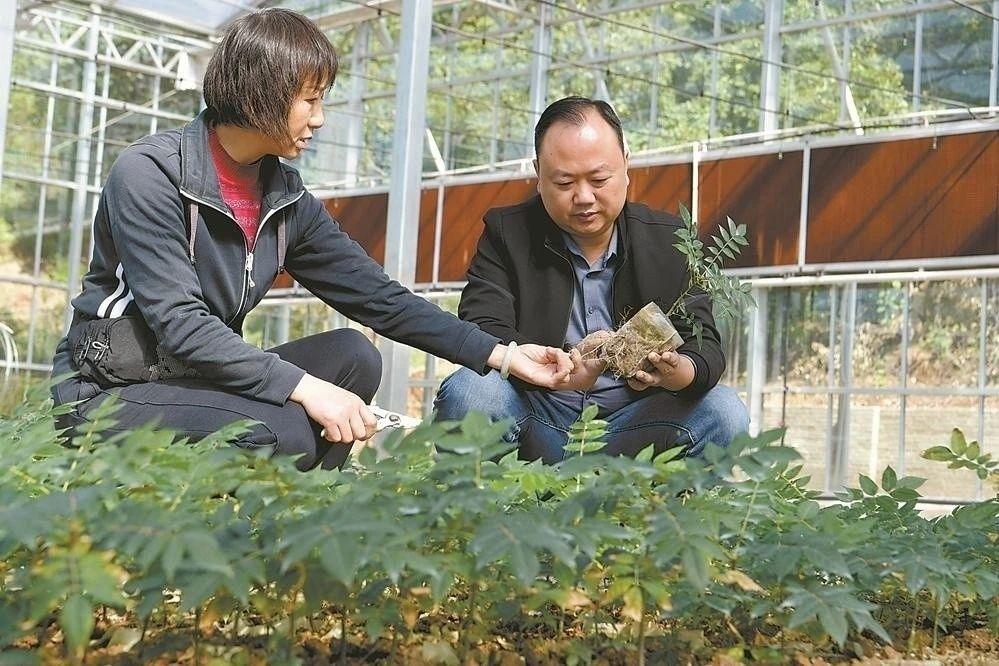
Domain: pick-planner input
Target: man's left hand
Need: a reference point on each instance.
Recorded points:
(669, 370)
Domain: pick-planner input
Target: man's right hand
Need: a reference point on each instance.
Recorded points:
(342, 414)
(585, 372)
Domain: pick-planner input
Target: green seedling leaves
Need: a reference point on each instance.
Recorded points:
(423, 547)
(76, 618)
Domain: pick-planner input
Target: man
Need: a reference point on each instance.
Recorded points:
(576, 259)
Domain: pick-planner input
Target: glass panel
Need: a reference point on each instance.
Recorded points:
(874, 436)
(807, 335)
(796, 11)
(443, 369)
(448, 303)
(992, 334)
(70, 73)
(125, 129)
(378, 126)
(687, 19)
(130, 86)
(55, 241)
(25, 132)
(738, 88)
(15, 311)
(928, 422)
(183, 102)
(881, 55)
(740, 15)
(809, 99)
(957, 47)
(62, 154)
(945, 328)
(807, 419)
(990, 442)
(877, 357)
(414, 402)
(421, 393)
(735, 343)
(683, 110)
(18, 219)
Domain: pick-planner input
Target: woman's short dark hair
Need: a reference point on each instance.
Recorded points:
(260, 66)
(573, 110)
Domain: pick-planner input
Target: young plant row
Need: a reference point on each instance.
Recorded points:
(445, 540)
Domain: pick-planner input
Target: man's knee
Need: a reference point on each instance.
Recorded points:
(729, 415)
(466, 390)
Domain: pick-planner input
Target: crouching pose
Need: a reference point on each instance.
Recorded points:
(576, 260)
(194, 225)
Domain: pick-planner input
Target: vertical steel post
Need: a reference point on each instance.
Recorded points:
(715, 64)
(994, 68)
(36, 268)
(904, 376)
(840, 454)
(917, 62)
(757, 362)
(983, 341)
(283, 324)
(85, 125)
(539, 67)
(773, 15)
(407, 171)
(806, 170)
(830, 384)
(353, 125)
(8, 16)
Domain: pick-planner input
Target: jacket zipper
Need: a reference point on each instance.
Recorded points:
(617, 274)
(247, 282)
(572, 278)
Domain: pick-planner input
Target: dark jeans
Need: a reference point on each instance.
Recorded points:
(196, 408)
(541, 423)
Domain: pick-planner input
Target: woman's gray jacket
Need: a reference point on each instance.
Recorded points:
(142, 265)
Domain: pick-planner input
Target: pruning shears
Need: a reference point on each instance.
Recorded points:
(387, 419)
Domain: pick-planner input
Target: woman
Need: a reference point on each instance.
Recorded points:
(192, 228)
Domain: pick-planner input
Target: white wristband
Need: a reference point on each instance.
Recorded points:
(505, 365)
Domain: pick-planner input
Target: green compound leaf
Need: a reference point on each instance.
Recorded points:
(868, 485)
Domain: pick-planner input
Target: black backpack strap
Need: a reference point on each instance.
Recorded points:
(192, 228)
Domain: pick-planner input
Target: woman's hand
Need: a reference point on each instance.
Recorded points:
(670, 371)
(547, 367)
(343, 415)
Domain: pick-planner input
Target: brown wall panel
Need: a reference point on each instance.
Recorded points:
(464, 206)
(911, 199)
(425, 236)
(364, 219)
(662, 187)
(764, 193)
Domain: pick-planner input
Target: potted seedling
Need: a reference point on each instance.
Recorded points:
(650, 330)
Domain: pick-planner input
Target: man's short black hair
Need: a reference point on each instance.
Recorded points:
(573, 110)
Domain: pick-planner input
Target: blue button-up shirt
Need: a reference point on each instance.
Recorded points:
(592, 311)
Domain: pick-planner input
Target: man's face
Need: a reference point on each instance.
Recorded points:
(583, 178)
